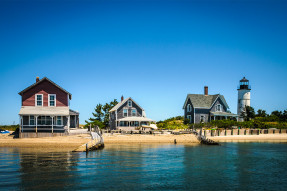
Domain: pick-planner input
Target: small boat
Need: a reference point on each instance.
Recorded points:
(4, 132)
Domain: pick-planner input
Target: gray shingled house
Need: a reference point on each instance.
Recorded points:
(128, 115)
(202, 108)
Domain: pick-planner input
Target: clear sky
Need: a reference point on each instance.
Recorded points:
(153, 51)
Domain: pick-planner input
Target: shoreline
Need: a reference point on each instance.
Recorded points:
(74, 141)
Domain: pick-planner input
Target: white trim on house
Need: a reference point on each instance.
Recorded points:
(61, 118)
(134, 112)
(50, 100)
(116, 107)
(126, 112)
(218, 108)
(203, 118)
(188, 108)
(130, 103)
(189, 117)
(30, 119)
(37, 100)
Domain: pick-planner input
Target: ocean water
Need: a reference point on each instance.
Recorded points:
(232, 166)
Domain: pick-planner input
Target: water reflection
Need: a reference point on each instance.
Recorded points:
(47, 170)
(233, 166)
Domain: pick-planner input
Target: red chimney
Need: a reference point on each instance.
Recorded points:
(37, 79)
(122, 98)
(206, 90)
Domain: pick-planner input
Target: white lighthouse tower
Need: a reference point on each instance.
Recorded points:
(243, 96)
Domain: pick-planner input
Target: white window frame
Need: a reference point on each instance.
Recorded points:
(57, 120)
(188, 108)
(33, 119)
(130, 103)
(189, 117)
(37, 100)
(50, 100)
(124, 112)
(203, 117)
(216, 107)
(134, 113)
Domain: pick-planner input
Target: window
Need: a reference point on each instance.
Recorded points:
(202, 118)
(125, 112)
(134, 112)
(59, 120)
(188, 108)
(52, 100)
(44, 120)
(189, 118)
(39, 99)
(32, 120)
(129, 103)
(218, 107)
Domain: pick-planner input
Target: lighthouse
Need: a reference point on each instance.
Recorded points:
(243, 96)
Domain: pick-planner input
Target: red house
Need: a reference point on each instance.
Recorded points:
(45, 110)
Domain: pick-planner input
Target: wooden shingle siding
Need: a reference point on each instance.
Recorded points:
(218, 101)
(120, 113)
(202, 112)
(45, 88)
(186, 113)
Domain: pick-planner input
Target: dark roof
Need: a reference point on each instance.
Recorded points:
(204, 101)
(40, 81)
(244, 80)
(73, 112)
(116, 107)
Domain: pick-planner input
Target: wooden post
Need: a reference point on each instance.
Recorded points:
(20, 127)
(69, 124)
(52, 124)
(36, 124)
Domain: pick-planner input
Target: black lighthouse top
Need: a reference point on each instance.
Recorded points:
(244, 84)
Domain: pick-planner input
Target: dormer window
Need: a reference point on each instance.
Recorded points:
(52, 100)
(39, 99)
(188, 108)
(218, 107)
(129, 103)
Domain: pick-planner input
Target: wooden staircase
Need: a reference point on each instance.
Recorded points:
(96, 143)
(203, 139)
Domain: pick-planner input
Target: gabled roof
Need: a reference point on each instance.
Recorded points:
(204, 101)
(47, 79)
(122, 102)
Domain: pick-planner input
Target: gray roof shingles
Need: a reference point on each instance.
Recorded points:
(204, 101)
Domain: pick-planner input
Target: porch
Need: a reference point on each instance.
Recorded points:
(44, 124)
(223, 115)
(132, 123)
(47, 121)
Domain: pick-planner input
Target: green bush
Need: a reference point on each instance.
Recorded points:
(9, 127)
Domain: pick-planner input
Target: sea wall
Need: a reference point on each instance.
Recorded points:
(228, 132)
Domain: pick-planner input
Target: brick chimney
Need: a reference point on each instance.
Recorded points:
(37, 79)
(206, 90)
(122, 98)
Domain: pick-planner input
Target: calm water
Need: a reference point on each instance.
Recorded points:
(233, 166)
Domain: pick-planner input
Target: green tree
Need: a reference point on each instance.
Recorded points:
(101, 115)
(248, 113)
(261, 113)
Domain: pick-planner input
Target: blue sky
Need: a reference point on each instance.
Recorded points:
(153, 51)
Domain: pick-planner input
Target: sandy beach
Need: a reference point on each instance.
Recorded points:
(74, 141)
